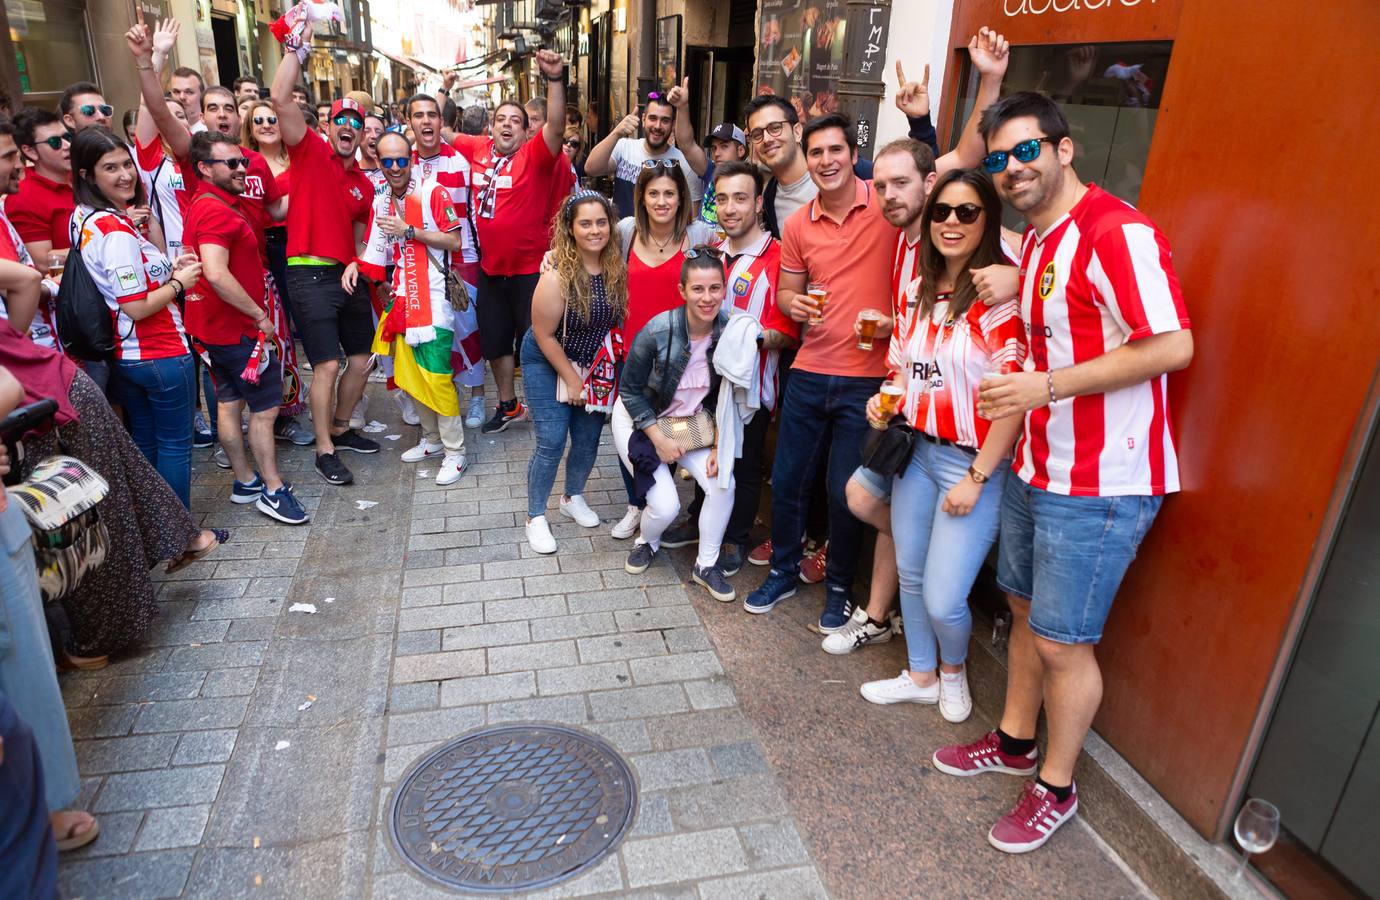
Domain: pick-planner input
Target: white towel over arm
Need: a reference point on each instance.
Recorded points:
(737, 360)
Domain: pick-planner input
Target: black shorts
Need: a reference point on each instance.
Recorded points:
(330, 322)
(227, 366)
(504, 311)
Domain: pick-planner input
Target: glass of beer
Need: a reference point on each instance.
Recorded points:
(818, 296)
(868, 320)
(55, 266)
(890, 402)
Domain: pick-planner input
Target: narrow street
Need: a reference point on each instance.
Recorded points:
(251, 747)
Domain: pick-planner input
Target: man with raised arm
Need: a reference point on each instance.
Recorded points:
(622, 154)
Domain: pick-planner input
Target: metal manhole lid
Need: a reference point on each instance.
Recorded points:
(512, 807)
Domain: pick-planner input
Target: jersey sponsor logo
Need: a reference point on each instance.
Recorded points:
(741, 285)
(175, 181)
(1047, 281)
(354, 192)
(126, 278)
(450, 214)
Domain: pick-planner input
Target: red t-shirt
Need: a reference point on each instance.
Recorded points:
(652, 290)
(326, 199)
(260, 189)
(211, 221)
(41, 210)
(512, 201)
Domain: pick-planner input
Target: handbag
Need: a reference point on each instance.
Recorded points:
(689, 432)
(61, 499)
(888, 452)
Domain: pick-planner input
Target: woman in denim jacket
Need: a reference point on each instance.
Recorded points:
(670, 372)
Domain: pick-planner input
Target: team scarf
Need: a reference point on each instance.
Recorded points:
(414, 310)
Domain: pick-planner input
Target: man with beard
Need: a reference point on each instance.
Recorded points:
(1106, 321)
(225, 310)
(517, 184)
(36, 305)
(326, 220)
(82, 105)
(42, 207)
(186, 86)
(622, 155)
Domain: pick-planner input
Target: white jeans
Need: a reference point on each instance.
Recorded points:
(449, 430)
(663, 502)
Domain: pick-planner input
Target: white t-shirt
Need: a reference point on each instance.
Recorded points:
(628, 156)
(790, 197)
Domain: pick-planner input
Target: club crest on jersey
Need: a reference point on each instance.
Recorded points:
(741, 285)
(354, 192)
(1047, 281)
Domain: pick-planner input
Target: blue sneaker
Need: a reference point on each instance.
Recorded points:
(283, 505)
(203, 435)
(838, 608)
(247, 492)
(776, 588)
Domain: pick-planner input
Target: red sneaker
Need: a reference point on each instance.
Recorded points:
(812, 566)
(761, 554)
(982, 756)
(1034, 820)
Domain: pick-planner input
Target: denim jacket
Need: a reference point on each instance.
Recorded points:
(658, 358)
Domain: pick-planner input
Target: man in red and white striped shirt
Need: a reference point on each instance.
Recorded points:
(1105, 322)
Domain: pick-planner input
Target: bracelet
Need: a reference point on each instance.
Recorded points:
(1049, 382)
(148, 68)
(179, 288)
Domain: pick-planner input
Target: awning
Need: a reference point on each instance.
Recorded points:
(400, 60)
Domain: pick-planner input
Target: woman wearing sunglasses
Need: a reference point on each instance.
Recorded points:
(259, 132)
(151, 373)
(945, 508)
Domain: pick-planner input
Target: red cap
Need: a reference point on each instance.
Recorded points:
(345, 104)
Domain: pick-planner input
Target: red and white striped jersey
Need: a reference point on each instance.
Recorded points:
(12, 248)
(1099, 277)
(451, 170)
(126, 267)
(752, 280)
(943, 362)
(905, 268)
(168, 191)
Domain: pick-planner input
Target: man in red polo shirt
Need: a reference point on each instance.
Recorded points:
(43, 207)
(227, 312)
(329, 208)
(515, 190)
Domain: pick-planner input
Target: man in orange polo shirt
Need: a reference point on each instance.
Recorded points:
(839, 241)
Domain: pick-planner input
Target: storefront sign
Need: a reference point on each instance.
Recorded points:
(1041, 7)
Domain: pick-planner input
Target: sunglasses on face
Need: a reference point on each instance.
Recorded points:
(57, 140)
(575, 144)
(757, 135)
(265, 120)
(89, 109)
(967, 212)
(348, 120)
(400, 162)
(1025, 151)
(231, 164)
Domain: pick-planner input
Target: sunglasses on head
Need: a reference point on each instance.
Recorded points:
(231, 164)
(348, 120)
(57, 140)
(89, 109)
(390, 162)
(706, 251)
(967, 212)
(653, 163)
(265, 120)
(774, 129)
(1025, 151)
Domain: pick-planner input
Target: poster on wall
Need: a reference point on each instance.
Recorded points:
(800, 56)
(668, 52)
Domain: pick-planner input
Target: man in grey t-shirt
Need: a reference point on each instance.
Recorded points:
(622, 154)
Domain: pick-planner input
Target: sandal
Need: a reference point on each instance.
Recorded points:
(190, 556)
(72, 840)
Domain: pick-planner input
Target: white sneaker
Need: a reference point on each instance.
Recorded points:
(539, 536)
(899, 690)
(855, 634)
(357, 419)
(576, 508)
(627, 526)
(423, 450)
(474, 415)
(407, 407)
(955, 703)
(452, 467)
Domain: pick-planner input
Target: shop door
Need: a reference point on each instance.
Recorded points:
(227, 49)
(720, 85)
(1320, 760)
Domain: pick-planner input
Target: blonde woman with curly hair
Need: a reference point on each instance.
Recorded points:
(568, 358)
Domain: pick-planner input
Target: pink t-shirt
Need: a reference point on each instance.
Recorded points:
(694, 381)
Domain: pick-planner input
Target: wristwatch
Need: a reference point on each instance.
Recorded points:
(977, 476)
(410, 233)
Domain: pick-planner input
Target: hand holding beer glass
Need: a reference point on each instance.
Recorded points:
(56, 263)
(819, 296)
(866, 326)
(884, 405)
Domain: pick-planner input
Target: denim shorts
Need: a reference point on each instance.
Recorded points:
(876, 485)
(1067, 555)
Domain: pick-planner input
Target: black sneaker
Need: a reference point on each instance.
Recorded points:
(639, 559)
(353, 440)
(329, 467)
(730, 559)
(682, 535)
(713, 581)
(504, 416)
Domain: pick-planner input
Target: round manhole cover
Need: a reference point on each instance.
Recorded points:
(512, 807)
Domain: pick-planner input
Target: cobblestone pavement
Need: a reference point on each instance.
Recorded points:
(250, 750)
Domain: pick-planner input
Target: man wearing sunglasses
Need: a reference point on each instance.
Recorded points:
(622, 154)
(1106, 321)
(12, 249)
(42, 208)
(82, 105)
(330, 201)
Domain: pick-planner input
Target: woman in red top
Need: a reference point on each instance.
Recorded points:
(151, 374)
(259, 132)
(655, 237)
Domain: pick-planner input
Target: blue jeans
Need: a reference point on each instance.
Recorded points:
(822, 416)
(158, 396)
(27, 672)
(1067, 555)
(938, 555)
(553, 421)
